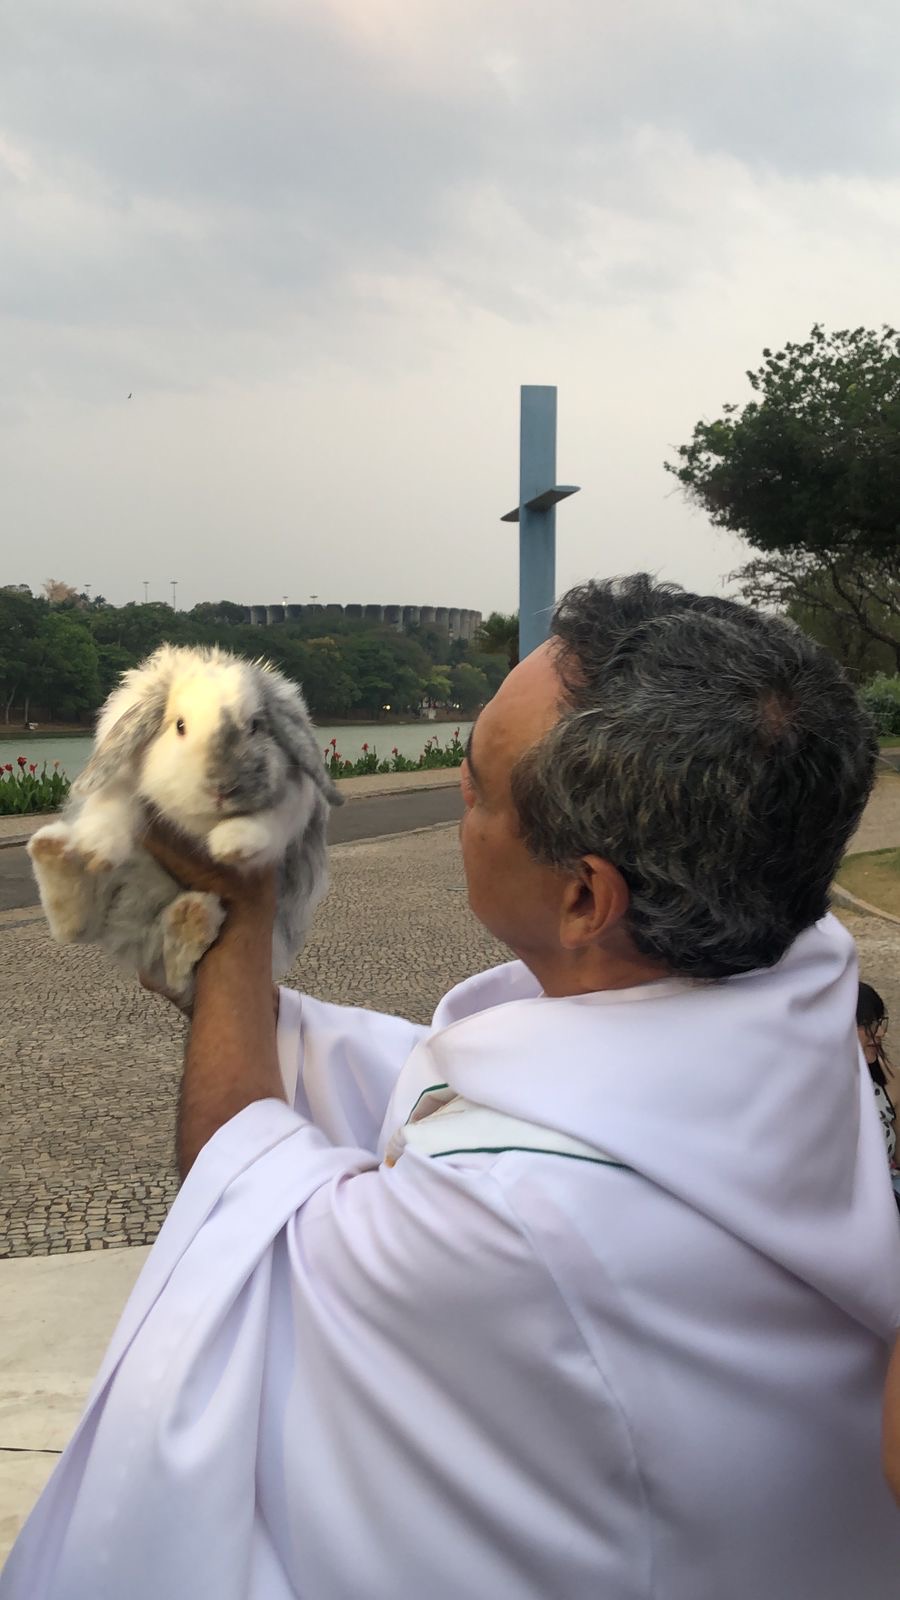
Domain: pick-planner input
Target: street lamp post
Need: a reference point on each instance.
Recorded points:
(146, 583)
(174, 582)
(539, 494)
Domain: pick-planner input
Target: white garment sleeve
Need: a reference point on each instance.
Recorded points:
(340, 1063)
(337, 1380)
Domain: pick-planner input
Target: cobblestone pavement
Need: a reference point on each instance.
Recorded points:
(91, 1063)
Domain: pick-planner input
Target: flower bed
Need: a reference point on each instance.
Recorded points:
(25, 791)
(434, 755)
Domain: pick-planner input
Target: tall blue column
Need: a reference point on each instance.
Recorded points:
(537, 526)
(536, 514)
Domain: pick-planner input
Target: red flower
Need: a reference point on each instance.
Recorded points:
(456, 733)
(32, 766)
(21, 761)
(8, 767)
(334, 744)
(395, 751)
(366, 748)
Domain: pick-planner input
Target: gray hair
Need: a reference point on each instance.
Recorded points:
(716, 756)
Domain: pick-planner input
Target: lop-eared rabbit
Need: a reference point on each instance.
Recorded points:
(223, 751)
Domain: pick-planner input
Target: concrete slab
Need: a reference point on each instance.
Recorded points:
(56, 1317)
(22, 1477)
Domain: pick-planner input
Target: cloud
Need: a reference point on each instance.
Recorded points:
(324, 240)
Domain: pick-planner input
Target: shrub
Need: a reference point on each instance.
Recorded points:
(881, 698)
(25, 791)
(434, 755)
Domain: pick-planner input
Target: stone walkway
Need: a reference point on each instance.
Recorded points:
(91, 1063)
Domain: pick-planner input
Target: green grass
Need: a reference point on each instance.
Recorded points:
(873, 876)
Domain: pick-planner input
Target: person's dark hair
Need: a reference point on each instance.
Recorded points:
(716, 756)
(871, 1012)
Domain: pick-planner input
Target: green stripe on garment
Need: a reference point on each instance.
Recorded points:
(528, 1150)
(432, 1089)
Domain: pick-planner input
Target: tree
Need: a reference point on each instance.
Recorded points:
(218, 611)
(470, 687)
(20, 620)
(499, 636)
(66, 677)
(811, 464)
(437, 688)
(808, 473)
(851, 607)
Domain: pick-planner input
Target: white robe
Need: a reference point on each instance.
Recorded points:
(516, 1374)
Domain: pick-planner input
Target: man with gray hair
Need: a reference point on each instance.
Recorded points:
(585, 1290)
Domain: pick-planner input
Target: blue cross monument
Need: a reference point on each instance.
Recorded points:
(536, 514)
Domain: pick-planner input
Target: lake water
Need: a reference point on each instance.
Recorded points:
(71, 750)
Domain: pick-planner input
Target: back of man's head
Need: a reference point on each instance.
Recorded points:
(716, 756)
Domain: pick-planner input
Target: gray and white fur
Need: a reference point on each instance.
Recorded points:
(222, 750)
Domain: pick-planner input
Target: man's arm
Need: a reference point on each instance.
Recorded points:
(348, 1059)
(231, 1057)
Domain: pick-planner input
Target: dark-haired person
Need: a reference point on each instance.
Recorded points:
(588, 1289)
(871, 1026)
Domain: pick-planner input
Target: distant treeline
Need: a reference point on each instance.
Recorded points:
(61, 653)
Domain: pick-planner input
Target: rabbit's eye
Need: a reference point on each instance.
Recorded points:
(179, 726)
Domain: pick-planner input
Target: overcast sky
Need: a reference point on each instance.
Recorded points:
(322, 242)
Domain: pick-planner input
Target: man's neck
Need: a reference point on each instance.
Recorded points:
(592, 971)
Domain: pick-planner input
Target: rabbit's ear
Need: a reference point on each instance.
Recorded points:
(291, 728)
(123, 744)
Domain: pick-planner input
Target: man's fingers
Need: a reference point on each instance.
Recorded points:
(181, 863)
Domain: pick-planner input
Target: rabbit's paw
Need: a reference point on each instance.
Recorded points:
(64, 889)
(52, 846)
(190, 925)
(240, 842)
(103, 838)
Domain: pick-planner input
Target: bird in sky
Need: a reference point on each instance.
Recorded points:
(129, 397)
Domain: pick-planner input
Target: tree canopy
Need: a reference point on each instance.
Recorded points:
(499, 636)
(65, 655)
(808, 474)
(811, 464)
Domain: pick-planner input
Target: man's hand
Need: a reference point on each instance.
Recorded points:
(192, 868)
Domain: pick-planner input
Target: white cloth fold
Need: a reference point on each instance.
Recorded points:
(512, 1374)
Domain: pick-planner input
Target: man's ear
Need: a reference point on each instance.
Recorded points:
(594, 903)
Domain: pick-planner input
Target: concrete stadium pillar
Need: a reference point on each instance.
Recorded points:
(259, 616)
(274, 614)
